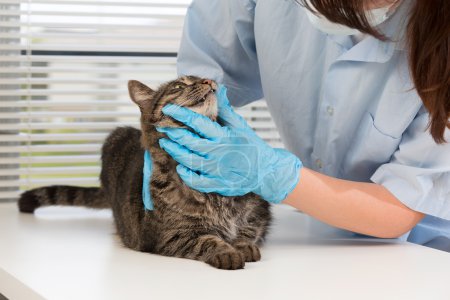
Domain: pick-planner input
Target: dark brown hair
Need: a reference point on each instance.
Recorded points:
(428, 38)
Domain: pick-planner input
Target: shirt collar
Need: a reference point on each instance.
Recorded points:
(370, 49)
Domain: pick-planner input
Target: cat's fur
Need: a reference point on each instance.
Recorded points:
(224, 232)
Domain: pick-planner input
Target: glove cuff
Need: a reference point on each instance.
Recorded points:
(283, 177)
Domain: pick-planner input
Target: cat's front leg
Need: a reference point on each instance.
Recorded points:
(246, 242)
(248, 249)
(208, 248)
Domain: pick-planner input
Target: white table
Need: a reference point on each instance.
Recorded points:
(72, 253)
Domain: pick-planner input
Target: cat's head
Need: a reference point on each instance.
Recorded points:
(197, 94)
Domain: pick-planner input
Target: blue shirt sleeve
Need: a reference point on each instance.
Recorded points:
(418, 173)
(218, 43)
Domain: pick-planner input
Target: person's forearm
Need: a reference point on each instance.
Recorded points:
(365, 208)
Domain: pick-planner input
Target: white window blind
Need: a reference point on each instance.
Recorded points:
(64, 67)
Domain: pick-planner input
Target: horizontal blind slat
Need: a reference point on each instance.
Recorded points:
(46, 92)
(89, 59)
(50, 171)
(68, 125)
(86, 25)
(71, 114)
(164, 3)
(51, 137)
(98, 37)
(50, 159)
(9, 194)
(92, 70)
(58, 12)
(58, 104)
(51, 148)
(97, 81)
(95, 47)
(51, 181)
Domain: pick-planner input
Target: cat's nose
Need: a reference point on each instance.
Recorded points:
(207, 81)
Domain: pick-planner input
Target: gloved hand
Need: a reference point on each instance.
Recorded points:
(231, 159)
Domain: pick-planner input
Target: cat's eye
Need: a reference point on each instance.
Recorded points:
(179, 87)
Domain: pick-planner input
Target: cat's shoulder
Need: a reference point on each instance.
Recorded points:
(121, 137)
(124, 133)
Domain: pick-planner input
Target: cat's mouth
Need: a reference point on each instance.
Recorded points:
(209, 96)
(206, 104)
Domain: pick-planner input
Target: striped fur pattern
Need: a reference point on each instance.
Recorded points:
(224, 232)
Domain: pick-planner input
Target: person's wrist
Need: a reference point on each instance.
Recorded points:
(282, 177)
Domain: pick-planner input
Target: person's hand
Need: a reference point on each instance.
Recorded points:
(229, 159)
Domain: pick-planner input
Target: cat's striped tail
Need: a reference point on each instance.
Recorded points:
(62, 195)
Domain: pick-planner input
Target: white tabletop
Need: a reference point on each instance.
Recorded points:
(73, 253)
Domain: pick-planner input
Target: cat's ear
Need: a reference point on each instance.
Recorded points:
(140, 93)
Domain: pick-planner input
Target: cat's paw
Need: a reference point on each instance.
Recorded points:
(229, 260)
(251, 252)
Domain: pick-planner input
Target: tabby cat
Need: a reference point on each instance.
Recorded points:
(224, 232)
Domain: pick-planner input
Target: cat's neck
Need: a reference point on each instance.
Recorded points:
(150, 142)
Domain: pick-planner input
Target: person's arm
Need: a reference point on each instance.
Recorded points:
(365, 208)
(230, 159)
(218, 43)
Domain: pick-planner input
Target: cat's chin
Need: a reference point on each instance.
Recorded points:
(208, 108)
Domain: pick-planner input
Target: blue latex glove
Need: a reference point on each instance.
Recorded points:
(146, 178)
(231, 159)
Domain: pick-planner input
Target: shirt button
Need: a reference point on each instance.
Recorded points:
(330, 110)
(319, 163)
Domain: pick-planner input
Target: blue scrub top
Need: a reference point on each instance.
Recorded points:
(346, 110)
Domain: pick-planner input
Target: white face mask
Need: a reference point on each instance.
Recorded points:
(374, 16)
